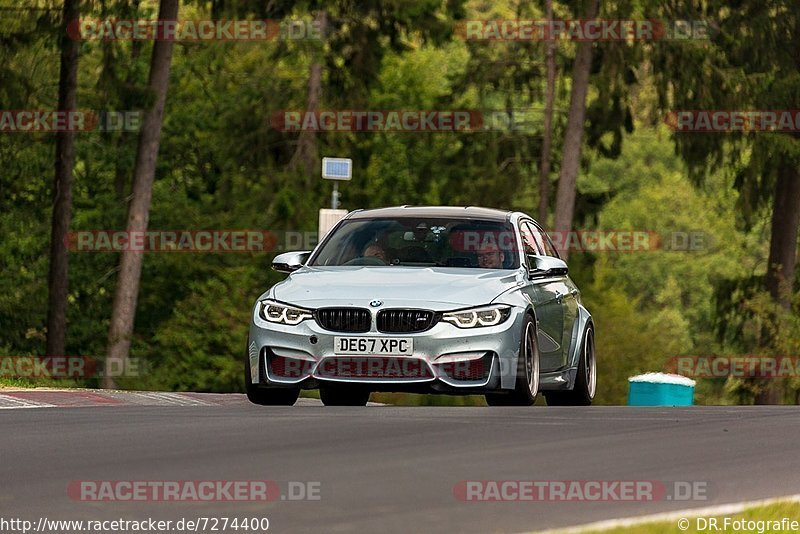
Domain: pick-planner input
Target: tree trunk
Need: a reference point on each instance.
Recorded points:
(124, 308)
(547, 134)
(121, 171)
(783, 245)
(58, 282)
(782, 254)
(783, 237)
(573, 136)
(307, 153)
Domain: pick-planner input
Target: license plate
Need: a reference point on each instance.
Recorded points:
(373, 345)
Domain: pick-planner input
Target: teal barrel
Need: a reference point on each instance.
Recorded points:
(660, 389)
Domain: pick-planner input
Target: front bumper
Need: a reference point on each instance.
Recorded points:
(439, 359)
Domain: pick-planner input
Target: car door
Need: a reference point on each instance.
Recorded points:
(571, 298)
(545, 294)
(561, 293)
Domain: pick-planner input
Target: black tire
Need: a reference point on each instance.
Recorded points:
(268, 396)
(349, 395)
(586, 380)
(526, 387)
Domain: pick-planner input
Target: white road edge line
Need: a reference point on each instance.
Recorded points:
(170, 398)
(16, 403)
(722, 509)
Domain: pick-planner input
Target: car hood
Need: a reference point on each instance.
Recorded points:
(436, 288)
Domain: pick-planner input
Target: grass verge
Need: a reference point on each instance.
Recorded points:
(759, 519)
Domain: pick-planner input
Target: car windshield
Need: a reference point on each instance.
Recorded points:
(421, 242)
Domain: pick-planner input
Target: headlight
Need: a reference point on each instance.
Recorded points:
(276, 312)
(477, 317)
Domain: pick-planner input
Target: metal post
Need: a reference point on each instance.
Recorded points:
(335, 196)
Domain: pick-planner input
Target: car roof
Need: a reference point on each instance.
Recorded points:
(455, 212)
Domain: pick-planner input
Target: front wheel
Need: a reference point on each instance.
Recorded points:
(585, 381)
(526, 387)
(268, 396)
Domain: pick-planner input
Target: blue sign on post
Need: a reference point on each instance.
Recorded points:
(337, 168)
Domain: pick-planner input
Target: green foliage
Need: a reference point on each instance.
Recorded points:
(735, 69)
(196, 347)
(653, 305)
(629, 342)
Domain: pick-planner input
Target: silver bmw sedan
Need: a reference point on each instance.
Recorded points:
(447, 300)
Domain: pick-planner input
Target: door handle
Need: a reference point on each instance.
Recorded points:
(559, 296)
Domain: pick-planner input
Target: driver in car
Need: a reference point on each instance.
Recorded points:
(490, 256)
(374, 250)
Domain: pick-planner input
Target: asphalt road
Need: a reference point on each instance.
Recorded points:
(392, 469)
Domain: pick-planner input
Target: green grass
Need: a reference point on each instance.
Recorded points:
(16, 383)
(12, 382)
(772, 512)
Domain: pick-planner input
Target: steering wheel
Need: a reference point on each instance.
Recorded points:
(366, 260)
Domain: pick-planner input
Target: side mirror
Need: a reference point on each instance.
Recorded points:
(289, 262)
(544, 266)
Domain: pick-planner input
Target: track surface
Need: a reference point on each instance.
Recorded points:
(391, 469)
